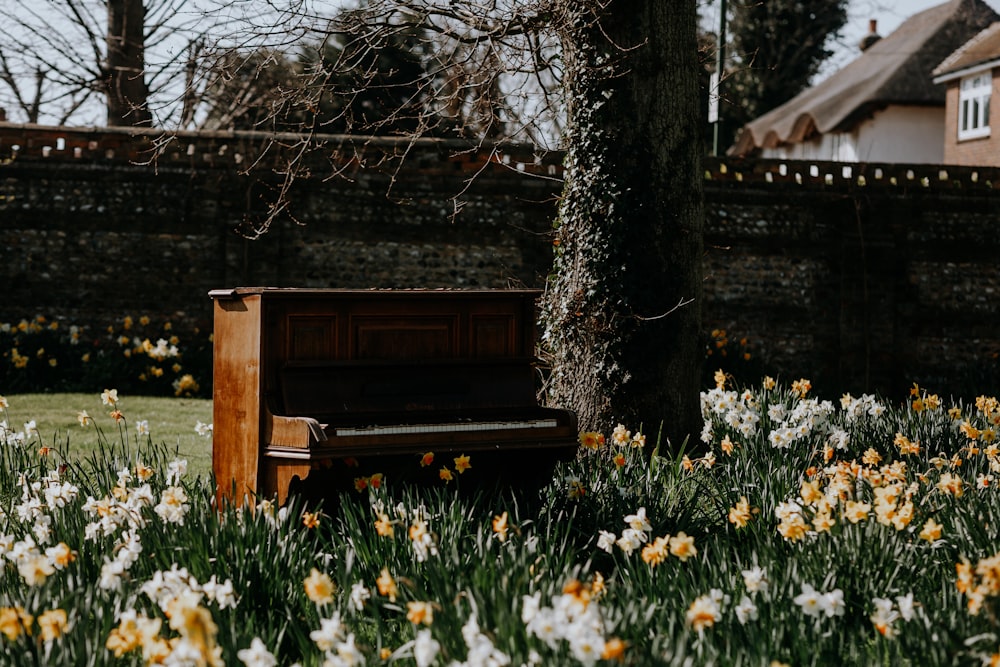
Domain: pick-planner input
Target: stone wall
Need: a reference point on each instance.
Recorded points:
(100, 224)
(860, 277)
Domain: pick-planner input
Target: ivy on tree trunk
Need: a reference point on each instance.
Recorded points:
(622, 311)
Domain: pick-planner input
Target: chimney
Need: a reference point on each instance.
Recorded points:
(871, 37)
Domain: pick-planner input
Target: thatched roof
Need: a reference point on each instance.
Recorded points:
(894, 70)
(981, 50)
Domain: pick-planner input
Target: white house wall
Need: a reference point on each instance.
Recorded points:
(895, 134)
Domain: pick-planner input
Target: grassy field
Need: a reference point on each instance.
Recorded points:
(170, 421)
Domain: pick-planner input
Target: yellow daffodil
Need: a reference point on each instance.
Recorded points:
(52, 624)
(386, 585)
(682, 546)
(420, 613)
(740, 514)
(931, 530)
(656, 551)
(383, 526)
(500, 527)
(14, 622)
(319, 587)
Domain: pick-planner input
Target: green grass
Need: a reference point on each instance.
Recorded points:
(171, 422)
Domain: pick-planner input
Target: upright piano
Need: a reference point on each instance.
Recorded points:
(314, 388)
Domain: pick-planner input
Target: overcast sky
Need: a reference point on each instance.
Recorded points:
(888, 13)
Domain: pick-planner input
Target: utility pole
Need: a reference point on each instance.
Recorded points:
(715, 92)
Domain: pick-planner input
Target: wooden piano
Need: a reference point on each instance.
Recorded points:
(314, 388)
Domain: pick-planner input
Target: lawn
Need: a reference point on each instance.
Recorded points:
(167, 420)
(804, 532)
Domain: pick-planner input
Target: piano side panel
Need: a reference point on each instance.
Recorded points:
(236, 396)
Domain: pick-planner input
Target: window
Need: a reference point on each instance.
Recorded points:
(974, 106)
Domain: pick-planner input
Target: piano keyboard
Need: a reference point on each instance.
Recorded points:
(454, 427)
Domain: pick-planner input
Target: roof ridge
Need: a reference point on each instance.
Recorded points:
(956, 55)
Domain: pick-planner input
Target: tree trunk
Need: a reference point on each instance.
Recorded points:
(622, 312)
(126, 91)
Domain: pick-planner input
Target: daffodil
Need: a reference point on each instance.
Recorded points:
(682, 546)
(746, 610)
(319, 587)
(884, 616)
(931, 530)
(331, 630)
(638, 521)
(52, 624)
(383, 526)
(425, 648)
(740, 514)
(809, 600)
(386, 585)
(704, 612)
(657, 551)
(500, 526)
(420, 613)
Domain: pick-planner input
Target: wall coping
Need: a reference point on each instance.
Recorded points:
(254, 149)
(854, 176)
(248, 150)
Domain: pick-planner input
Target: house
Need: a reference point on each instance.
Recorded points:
(972, 79)
(882, 107)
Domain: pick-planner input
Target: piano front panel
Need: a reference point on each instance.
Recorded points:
(312, 337)
(492, 336)
(394, 338)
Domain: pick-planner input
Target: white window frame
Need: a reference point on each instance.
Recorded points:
(974, 93)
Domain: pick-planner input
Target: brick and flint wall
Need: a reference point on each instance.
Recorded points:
(859, 277)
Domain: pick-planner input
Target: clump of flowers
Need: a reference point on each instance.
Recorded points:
(180, 597)
(43, 354)
(887, 612)
(573, 618)
(638, 533)
(980, 584)
(819, 605)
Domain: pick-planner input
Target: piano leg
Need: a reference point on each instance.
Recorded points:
(278, 475)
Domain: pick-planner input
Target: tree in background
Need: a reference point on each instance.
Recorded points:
(130, 62)
(775, 48)
(122, 74)
(329, 87)
(57, 58)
